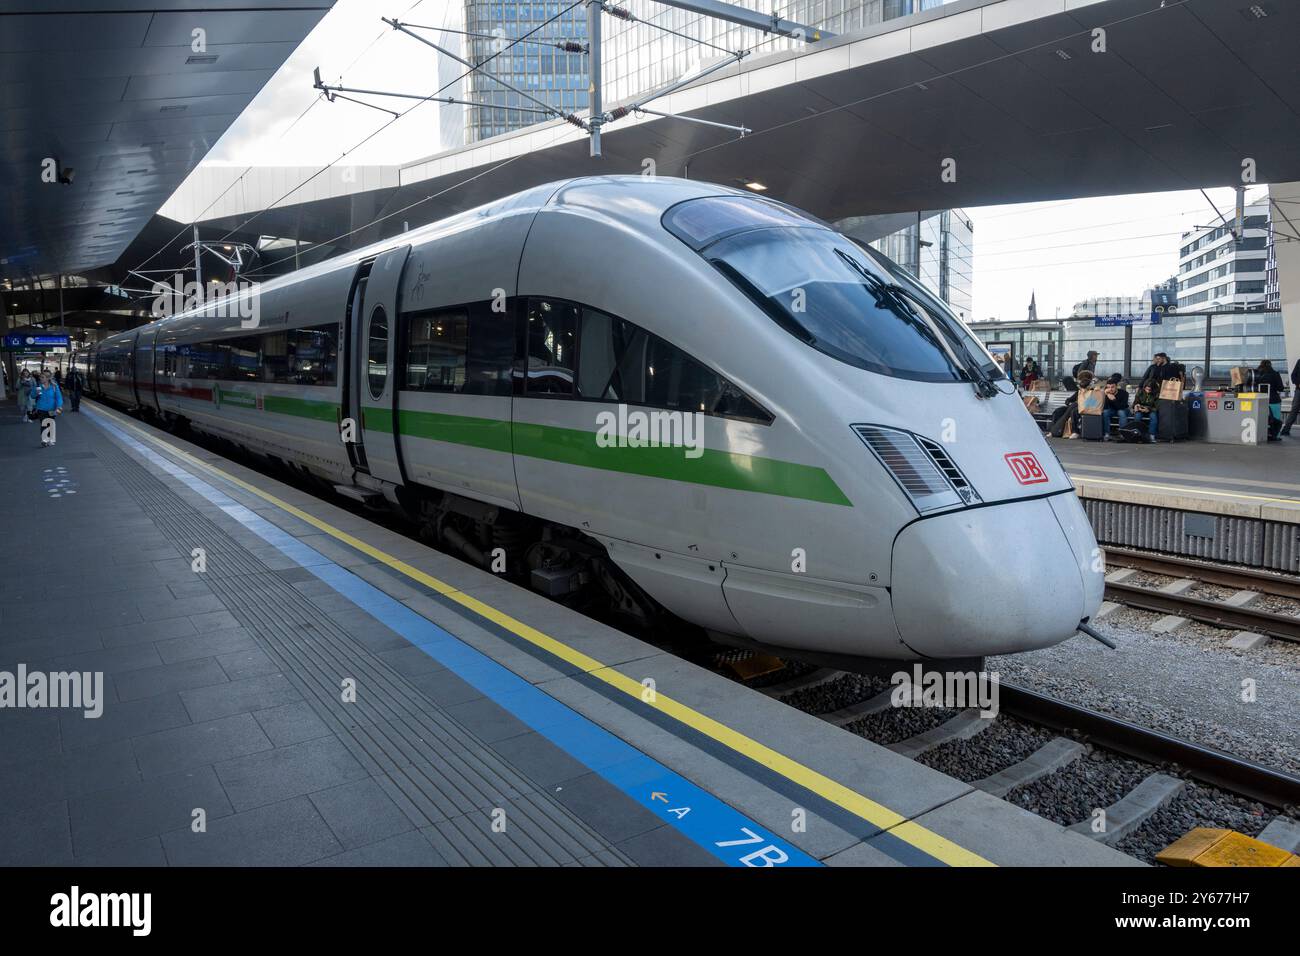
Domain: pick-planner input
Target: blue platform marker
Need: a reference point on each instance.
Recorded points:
(697, 814)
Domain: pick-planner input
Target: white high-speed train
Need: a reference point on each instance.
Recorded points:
(841, 470)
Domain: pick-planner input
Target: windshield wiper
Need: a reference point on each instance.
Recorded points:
(984, 383)
(903, 298)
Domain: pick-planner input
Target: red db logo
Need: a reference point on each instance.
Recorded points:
(1026, 467)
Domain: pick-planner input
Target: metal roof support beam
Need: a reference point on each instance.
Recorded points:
(768, 23)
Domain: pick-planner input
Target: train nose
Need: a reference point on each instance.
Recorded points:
(995, 580)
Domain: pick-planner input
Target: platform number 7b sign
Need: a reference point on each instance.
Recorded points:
(1025, 466)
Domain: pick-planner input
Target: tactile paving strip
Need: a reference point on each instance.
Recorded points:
(444, 778)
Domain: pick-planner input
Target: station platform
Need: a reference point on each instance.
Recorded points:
(1247, 481)
(287, 683)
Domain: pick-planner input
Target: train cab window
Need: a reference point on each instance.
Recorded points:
(822, 288)
(436, 357)
(377, 352)
(552, 333)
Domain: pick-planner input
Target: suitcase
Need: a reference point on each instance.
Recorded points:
(1173, 420)
(1133, 432)
(1090, 427)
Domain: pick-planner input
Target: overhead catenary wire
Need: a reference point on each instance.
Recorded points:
(316, 99)
(475, 67)
(386, 216)
(395, 119)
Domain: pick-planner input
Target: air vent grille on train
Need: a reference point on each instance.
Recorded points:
(950, 470)
(921, 467)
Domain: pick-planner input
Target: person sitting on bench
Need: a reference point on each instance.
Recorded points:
(1144, 406)
(1116, 407)
(1070, 410)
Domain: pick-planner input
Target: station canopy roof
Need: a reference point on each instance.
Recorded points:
(116, 91)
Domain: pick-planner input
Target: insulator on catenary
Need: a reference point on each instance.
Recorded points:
(570, 118)
(617, 112)
(571, 46)
(623, 13)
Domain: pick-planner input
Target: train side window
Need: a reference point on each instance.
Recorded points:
(377, 352)
(245, 357)
(207, 360)
(491, 350)
(439, 346)
(313, 355)
(600, 354)
(624, 363)
(551, 347)
(675, 380)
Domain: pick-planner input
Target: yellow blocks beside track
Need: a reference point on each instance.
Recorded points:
(1205, 847)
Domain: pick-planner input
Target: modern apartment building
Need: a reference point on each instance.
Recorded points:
(1218, 272)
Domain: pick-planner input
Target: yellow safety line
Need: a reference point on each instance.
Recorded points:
(1157, 474)
(1188, 490)
(875, 813)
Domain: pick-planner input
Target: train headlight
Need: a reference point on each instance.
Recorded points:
(922, 468)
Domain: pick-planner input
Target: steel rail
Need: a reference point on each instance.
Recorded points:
(1244, 777)
(1250, 579)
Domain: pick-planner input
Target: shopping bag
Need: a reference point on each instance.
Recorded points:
(1171, 388)
(1091, 401)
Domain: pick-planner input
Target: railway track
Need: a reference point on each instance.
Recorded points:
(1066, 731)
(1235, 612)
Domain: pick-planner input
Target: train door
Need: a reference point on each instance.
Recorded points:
(350, 366)
(143, 358)
(131, 369)
(375, 362)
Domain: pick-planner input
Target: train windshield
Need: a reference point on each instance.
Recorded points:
(828, 292)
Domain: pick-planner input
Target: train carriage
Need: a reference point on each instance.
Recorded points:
(683, 396)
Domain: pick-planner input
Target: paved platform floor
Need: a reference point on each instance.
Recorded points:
(1226, 473)
(321, 690)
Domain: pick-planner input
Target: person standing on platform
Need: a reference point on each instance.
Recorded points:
(74, 388)
(1160, 370)
(1295, 400)
(1089, 364)
(25, 384)
(1267, 377)
(49, 404)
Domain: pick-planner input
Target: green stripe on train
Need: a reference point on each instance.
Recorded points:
(301, 408)
(572, 446)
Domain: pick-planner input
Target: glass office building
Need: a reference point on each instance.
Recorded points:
(637, 57)
(947, 242)
(555, 77)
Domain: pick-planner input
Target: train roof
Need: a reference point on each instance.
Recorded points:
(636, 200)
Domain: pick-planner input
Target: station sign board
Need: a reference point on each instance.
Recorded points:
(32, 342)
(1133, 318)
